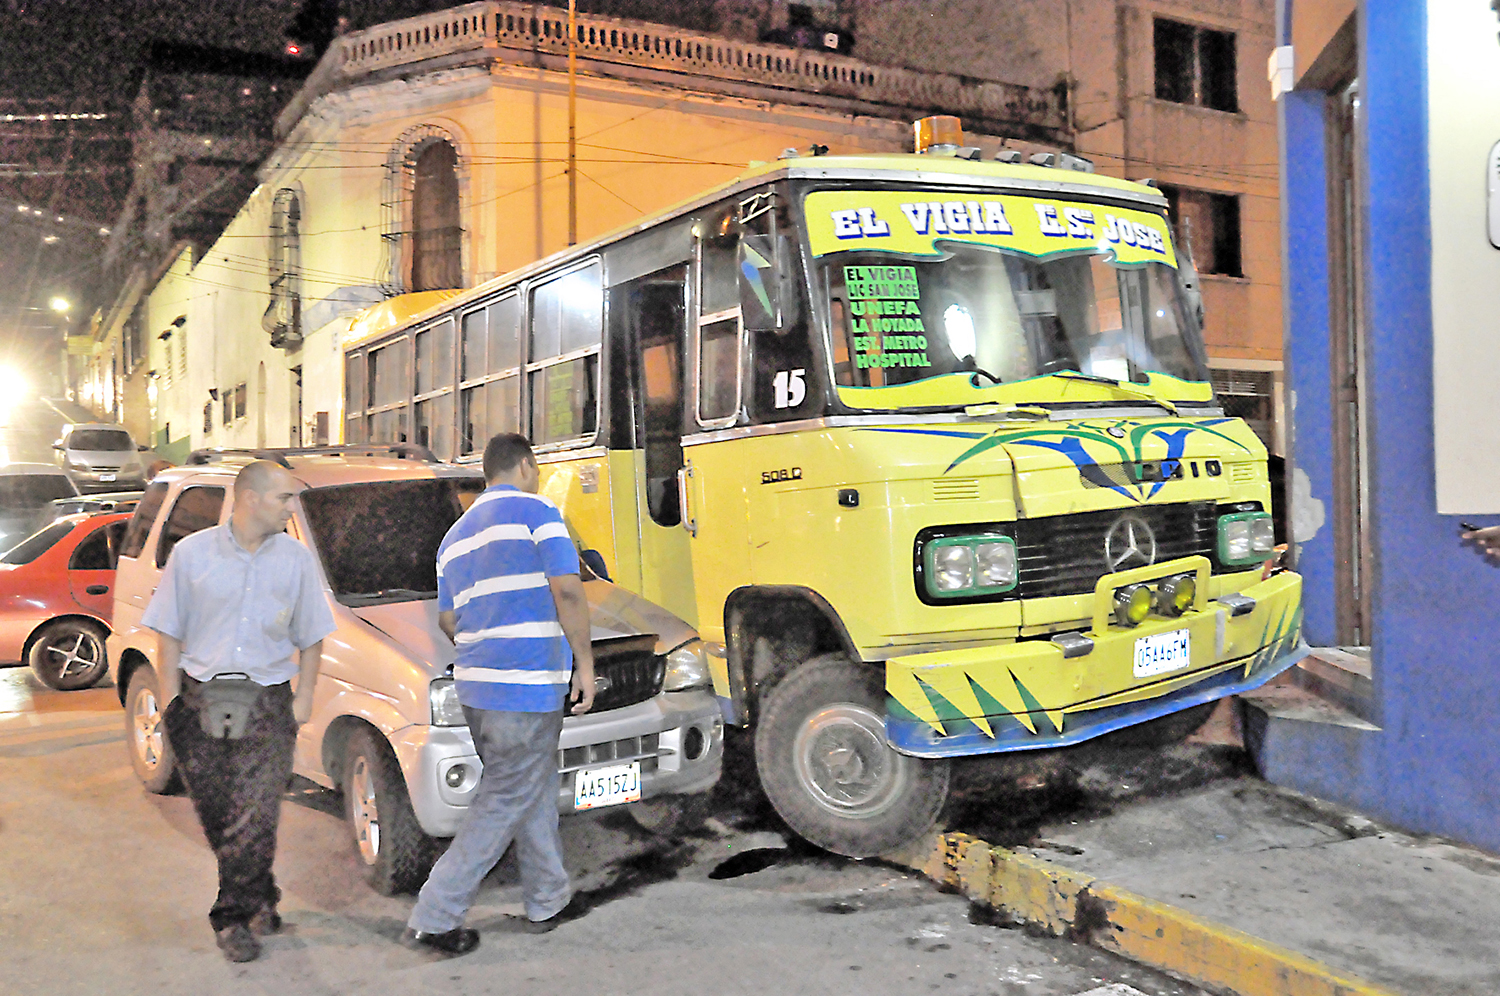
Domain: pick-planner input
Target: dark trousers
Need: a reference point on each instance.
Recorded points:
(236, 787)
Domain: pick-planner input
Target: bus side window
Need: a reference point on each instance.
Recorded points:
(567, 316)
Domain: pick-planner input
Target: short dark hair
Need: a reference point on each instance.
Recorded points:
(504, 453)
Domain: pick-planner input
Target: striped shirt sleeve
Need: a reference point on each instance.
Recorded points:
(553, 544)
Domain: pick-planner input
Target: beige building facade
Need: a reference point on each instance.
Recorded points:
(431, 154)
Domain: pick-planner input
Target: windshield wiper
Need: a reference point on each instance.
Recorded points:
(393, 594)
(1130, 389)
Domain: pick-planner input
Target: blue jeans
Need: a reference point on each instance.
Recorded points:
(516, 800)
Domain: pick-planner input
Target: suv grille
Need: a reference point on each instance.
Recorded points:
(630, 678)
(643, 749)
(1064, 554)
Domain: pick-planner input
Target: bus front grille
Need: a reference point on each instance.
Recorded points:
(1065, 554)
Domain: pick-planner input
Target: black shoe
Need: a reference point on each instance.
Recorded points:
(567, 914)
(265, 921)
(237, 943)
(458, 941)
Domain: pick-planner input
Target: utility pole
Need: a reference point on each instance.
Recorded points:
(572, 122)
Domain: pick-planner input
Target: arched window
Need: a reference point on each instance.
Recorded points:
(422, 227)
(437, 238)
(283, 317)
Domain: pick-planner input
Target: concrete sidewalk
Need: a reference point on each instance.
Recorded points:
(1248, 888)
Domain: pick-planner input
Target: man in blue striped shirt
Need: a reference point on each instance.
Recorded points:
(510, 598)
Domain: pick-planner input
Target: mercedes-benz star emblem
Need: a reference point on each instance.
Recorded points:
(1129, 543)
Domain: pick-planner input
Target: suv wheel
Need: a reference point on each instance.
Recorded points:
(146, 735)
(396, 853)
(68, 654)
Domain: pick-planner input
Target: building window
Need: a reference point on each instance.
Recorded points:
(1250, 395)
(228, 400)
(283, 317)
(1210, 224)
(436, 235)
(241, 400)
(421, 205)
(208, 418)
(1195, 66)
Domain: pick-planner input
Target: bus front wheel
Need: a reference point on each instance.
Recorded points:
(821, 752)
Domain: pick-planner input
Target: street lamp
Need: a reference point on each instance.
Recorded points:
(61, 305)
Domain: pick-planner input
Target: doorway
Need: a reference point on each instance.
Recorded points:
(1346, 329)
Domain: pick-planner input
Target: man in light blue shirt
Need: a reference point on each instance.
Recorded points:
(241, 600)
(510, 598)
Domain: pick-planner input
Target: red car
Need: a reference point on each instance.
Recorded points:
(57, 598)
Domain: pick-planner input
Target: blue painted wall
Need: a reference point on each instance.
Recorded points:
(1435, 764)
(1306, 358)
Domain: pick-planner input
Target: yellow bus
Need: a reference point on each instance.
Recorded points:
(925, 447)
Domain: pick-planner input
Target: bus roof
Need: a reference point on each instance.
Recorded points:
(874, 167)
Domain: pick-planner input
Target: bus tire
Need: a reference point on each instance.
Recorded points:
(824, 763)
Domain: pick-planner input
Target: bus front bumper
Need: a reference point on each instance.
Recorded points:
(1033, 694)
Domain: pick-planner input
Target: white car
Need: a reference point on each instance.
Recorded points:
(101, 456)
(387, 728)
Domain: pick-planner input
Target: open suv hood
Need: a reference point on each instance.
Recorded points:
(613, 613)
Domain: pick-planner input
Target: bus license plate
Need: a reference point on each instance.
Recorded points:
(609, 786)
(1162, 653)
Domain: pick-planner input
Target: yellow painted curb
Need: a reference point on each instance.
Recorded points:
(1066, 903)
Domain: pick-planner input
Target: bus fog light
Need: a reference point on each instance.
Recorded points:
(1132, 604)
(1175, 595)
(456, 775)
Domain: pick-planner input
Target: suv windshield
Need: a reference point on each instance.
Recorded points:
(100, 440)
(378, 540)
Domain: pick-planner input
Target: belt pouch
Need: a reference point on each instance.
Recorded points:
(224, 706)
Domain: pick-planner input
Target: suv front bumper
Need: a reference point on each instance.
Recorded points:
(653, 732)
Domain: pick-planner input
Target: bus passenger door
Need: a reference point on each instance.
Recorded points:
(654, 310)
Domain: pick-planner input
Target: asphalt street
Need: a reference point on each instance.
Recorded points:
(106, 889)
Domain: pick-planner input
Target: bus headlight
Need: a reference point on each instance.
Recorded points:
(442, 694)
(966, 566)
(1245, 538)
(687, 667)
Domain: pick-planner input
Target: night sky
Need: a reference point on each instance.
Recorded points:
(85, 57)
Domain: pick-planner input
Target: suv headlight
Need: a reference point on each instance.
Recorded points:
(1246, 538)
(965, 566)
(446, 710)
(687, 667)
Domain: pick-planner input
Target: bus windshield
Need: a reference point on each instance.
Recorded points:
(993, 296)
